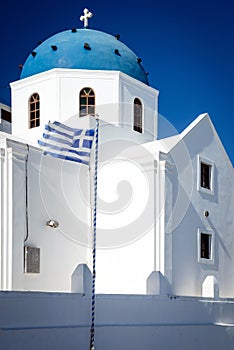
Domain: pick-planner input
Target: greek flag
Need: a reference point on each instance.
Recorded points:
(67, 143)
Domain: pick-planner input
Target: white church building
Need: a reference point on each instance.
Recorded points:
(164, 208)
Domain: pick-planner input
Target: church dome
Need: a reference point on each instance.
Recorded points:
(84, 49)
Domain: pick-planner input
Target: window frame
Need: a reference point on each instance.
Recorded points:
(87, 105)
(205, 231)
(34, 111)
(202, 160)
(136, 124)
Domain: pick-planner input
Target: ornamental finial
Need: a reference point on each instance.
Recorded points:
(87, 15)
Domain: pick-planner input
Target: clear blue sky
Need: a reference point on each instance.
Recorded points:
(186, 46)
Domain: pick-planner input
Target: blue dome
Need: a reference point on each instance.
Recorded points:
(84, 49)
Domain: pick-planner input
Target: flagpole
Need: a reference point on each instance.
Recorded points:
(92, 328)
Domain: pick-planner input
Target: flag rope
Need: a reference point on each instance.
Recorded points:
(92, 328)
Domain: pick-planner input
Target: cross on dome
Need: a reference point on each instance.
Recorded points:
(87, 15)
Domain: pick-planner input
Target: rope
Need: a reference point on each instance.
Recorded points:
(92, 328)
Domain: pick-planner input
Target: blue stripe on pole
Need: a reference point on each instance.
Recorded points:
(62, 141)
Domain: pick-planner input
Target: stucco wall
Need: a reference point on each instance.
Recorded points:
(59, 100)
(48, 321)
(53, 193)
(188, 272)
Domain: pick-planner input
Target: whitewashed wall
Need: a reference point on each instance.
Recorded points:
(54, 192)
(184, 269)
(60, 191)
(50, 320)
(149, 207)
(59, 100)
(131, 89)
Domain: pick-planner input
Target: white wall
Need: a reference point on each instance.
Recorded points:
(50, 320)
(126, 231)
(54, 192)
(59, 100)
(189, 204)
(60, 191)
(149, 213)
(131, 89)
(46, 87)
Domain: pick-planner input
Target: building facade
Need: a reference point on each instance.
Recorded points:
(165, 206)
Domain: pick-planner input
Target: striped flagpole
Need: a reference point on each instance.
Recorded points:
(92, 328)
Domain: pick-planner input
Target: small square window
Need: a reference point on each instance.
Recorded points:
(6, 115)
(205, 175)
(205, 246)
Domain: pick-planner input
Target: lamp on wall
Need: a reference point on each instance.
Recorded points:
(52, 223)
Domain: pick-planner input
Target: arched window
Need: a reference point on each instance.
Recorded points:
(87, 102)
(137, 115)
(34, 111)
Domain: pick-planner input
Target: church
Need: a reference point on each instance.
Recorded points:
(164, 208)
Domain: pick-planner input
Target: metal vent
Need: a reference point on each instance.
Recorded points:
(31, 260)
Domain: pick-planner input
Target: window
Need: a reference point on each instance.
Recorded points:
(87, 102)
(205, 175)
(137, 115)
(5, 115)
(205, 246)
(34, 111)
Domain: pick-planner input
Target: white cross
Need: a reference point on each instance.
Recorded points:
(86, 16)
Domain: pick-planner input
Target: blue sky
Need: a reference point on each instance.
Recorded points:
(186, 46)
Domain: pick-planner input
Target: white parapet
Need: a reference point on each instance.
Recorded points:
(81, 280)
(157, 284)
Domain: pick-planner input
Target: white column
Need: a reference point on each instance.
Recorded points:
(6, 217)
(161, 217)
(9, 217)
(2, 154)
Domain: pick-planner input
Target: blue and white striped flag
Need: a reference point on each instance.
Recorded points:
(64, 142)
